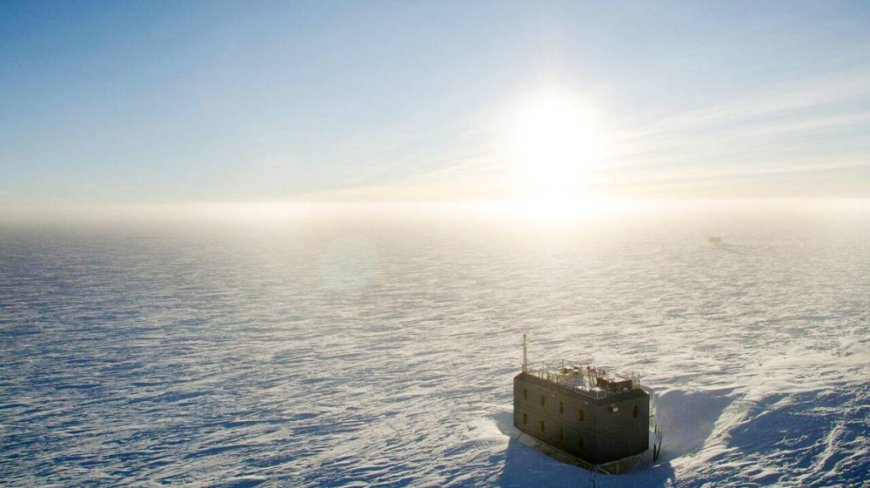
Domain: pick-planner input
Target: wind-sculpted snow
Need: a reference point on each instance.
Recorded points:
(381, 354)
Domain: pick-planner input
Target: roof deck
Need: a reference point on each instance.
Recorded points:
(593, 382)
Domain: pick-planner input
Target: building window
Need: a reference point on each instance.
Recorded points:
(635, 412)
(543, 401)
(560, 433)
(561, 407)
(525, 394)
(581, 415)
(542, 425)
(525, 419)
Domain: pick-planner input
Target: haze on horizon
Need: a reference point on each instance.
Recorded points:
(166, 103)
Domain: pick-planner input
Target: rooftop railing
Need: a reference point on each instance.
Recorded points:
(586, 378)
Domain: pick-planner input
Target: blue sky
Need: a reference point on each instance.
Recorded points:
(163, 102)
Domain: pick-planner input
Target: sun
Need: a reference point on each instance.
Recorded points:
(554, 141)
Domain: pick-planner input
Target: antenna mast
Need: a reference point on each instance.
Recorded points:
(525, 356)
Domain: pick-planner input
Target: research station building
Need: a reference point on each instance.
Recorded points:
(599, 418)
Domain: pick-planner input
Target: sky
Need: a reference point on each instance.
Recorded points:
(125, 102)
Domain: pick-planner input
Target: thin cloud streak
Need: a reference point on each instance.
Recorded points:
(760, 135)
(775, 101)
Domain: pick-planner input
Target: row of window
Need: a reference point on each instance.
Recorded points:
(635, 411)
(561, 432)
(581, 414)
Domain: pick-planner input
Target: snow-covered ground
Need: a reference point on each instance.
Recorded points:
(355, 352)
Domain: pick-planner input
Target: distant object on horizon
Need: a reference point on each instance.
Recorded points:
(584, 415)
(714, 240)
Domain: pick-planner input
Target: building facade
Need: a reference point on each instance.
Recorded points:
(599, 420)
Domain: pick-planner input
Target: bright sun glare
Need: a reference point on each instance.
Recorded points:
(554, 141)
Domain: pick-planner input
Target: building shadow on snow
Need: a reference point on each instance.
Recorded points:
(526, 466)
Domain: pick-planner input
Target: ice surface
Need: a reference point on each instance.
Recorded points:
(358, 353)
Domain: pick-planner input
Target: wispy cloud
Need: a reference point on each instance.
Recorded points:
(768, 102)
(810, 127)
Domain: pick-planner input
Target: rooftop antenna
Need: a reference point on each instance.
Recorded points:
(525, 356)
